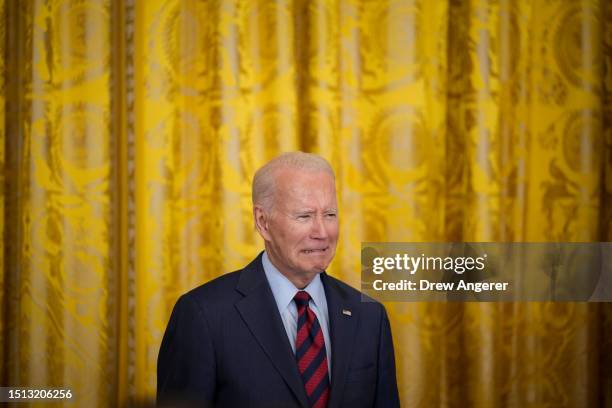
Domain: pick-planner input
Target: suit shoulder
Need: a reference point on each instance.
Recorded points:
(346, 289)
(215, 292)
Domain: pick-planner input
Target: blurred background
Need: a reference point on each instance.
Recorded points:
(131, 131)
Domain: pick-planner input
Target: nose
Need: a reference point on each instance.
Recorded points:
(319, 230)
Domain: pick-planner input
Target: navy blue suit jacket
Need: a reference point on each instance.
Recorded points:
(226, 346)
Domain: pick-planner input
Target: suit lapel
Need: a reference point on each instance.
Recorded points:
(260, 313)
(342, 332)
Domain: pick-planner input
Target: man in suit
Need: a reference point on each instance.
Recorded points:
(281, 332)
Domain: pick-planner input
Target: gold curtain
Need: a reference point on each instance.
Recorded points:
(132, 130)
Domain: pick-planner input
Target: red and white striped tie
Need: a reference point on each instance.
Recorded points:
(310, 353)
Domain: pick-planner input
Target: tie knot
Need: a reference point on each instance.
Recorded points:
(301, 298)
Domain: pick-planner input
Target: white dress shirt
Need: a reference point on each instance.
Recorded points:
(284, 291)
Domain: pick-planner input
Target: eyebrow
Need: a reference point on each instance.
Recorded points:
(304, 211)
(310, 211)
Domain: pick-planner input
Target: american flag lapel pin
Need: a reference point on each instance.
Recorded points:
(347, 312)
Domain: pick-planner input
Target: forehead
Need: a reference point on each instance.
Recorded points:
(304, 185)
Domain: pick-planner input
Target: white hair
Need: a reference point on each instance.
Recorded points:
(264, 180)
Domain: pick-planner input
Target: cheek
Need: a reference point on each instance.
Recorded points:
(333, 231)
(296, 235)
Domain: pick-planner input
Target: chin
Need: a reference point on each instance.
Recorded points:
(309, 269)
(319, 268)
(314, 266)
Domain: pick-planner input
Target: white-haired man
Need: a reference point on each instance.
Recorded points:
(281, 332)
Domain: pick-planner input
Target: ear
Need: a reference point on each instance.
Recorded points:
(262, 219)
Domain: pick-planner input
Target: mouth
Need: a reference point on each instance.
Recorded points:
(316, 250)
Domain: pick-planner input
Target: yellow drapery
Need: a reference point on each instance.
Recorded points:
(133, 128)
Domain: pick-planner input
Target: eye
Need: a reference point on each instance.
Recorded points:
(331, 215)
(303, 217)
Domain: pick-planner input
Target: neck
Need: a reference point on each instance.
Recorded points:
(300, 281)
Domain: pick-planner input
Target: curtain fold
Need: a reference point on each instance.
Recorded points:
(3, 281)
(132, 130)
(60, 281)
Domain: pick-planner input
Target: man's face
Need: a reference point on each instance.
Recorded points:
(301, 230)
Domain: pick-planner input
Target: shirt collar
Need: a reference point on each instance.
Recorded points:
(284, 290)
